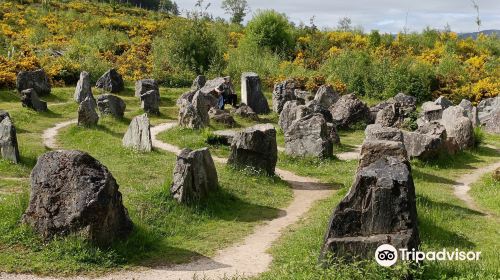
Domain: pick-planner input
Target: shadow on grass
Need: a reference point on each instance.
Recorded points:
(461, 160)
(417, 174)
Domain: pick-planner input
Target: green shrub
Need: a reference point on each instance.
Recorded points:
(478, 137)
(270, 29)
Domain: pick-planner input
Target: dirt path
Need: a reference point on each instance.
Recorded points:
(49, 135)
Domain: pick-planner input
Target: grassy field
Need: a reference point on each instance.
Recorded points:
(486, 193)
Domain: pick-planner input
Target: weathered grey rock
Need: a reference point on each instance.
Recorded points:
(349, 110)
(283, 92)
(470, 111)
(492, 123)
(443, 102)
(150, 102)
(316, 107)
(215, 87)
(390, 116)
(83, 88)
(406, 105)
(292, 110)
(189, 117)
(373, 111)
(326, 96)
(459, 129)
(113, 105)
(303, 95)
(195, 176)
(407, 101)
(334, 135)
(246, 112)
(251, 93)
(29, 99)
(8, 138)
(198, 83)
(37, 80)
(309, 136)
(138, 135)
(221, 116)
(381, 142)
(255, 147)
(431, 112)
(145, 85)
(379, 132)
(426, 142)
(111, 81)
(202, 105)
(225, 136)
(486, 107)
(87, 115)
(380, 208)
(72, 192)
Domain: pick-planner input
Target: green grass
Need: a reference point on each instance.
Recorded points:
(486, 192)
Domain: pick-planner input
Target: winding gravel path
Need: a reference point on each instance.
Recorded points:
(49, 135)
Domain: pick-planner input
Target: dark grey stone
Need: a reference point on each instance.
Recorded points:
(87, 115)
(83, 88)
(113, 105)
(111, 81)
(326, 96)
(37, 80)
(138, 135)
(251, 93)
(349, 110)
(145, 85)
(283, 92)
(29, 99)
(309, 136)
(221, 116)
(150, 102)
(8, 138)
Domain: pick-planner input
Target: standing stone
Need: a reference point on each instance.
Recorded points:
(283, 92)
(87, 115)
(486, 107)
(29, 99)
(73, 193)
(145, 85)
(459, 129)
(111, 81)
(8, 138)
(150, 102)
(309, 136)
(390, 116)
(255, 147)
(292, 111)
(408, 102)
(381, 142)
(202, 105)
(251, 93)
(138, 135)
(221, 116)
(426, 142)
(470, 111)
(373, 111)
(37, 80)
(326, 96)
(430, 112)
(113, 105)
(349, 110)
(195, 176)
(246, 112)
(315, 107)
(198, 83)
(380, 208)
(189, 117)
(83, 88)
(492, 123)
(334, 135)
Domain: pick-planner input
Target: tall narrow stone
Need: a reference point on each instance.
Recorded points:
(251, 93)
(8, 138)
(83, 88)
(138, 135)
(87, 115)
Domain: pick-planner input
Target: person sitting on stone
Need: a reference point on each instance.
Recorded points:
(227, 94)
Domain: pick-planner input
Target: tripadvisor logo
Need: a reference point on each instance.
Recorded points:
(387, 255)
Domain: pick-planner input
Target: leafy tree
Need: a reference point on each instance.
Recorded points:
(272, 30)
(237, 9)
(344, 24)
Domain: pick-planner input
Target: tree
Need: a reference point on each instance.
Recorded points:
(272, 30)
(167, 6)
(344, 24)
(238, 9)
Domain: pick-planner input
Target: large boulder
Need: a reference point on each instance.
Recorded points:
(443, 102)
(109, 104)
(380, 208)
(251, 93)
(283, 92)
(492, 123)
(349, 110)
(304, 95)
(221, 116)
(213, 88)
(316, 107)
(309, 136)
(8, 138)
(37, 80)
(486, 107)
(373, 111)
(138, 135)
(198, 83)
(326, 96)
(379, 132)
(150, 102)
(292, 110)
(224, 137)
(470, 111)
(73, 193)
(430, 112)
(406, 104)
(145, 85)
(189, 117)
(246, 112)
(83, 88)
(255, 147)
(426, 142)
(381, 142)
(195, 176)
(202, 104)
(87, 115)
(459, 129)
(390, 116)
(111, 81)
(29, 99)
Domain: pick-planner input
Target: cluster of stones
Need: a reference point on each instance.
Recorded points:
(31, 85)
(380, 207)
(489, 114)
(148, 91)
(307, 120)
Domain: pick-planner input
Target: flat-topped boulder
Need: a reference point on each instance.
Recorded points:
(489, 114)
(111, 81)
(380, 208)
(221, 116)
(112, 105)
(349, 110)
(83, 88)
(37, 80)
(426, 142)
(29, 99)
(225, 137)
(189, 117)
(138, 135)
(379, 132)
(213, 88)
(459, 129)
(73, 193)
(309, 136)
(283, 92)
(255, 147)
(326, 96)
(8, 138)
(492, 123)
(195, 176)
(145, 85)
(381, 142)
(246, 112)
(87, 115)
(251, 93)
(150, 102)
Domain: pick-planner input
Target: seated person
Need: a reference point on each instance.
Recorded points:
(226, 94)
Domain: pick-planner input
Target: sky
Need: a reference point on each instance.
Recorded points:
(387, 16)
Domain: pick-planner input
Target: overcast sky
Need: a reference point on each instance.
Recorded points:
(384, 15)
